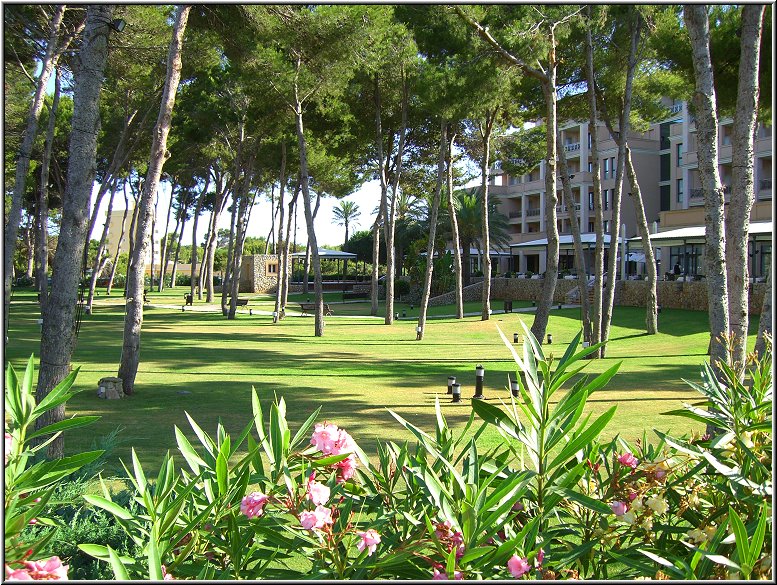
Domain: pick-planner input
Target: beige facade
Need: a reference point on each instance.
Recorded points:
(665, 160)
(114, 220)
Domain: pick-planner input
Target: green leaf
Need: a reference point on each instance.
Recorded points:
(58, 427)
(221, 474)
(742, 543)
(154, 562)
(59, 394)
(582, 499)
(194, 461)
(496, 416)
(584, 438)
(109, 506)
(119, 570)
(656, 558)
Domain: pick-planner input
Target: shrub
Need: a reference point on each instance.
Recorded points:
(401, 287)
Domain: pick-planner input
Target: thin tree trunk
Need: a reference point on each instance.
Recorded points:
(741, 201)
(454, 227)
(621, 139)
(486, 237)
(376, 258)
(765, 324)
(696, 20)
(23, 160)
(582, 281)
(287, 248)
(391, 209)
(551, 229)
(132, 231)
(42, 247)
(210, 246)
(281, 240)
(244, 202)
(225, 288)
(174, 270)
(197, 209)
(153, 245)
(121, 240)
(164, 245)
(133, 320)
(383, 206)
(651, 298)
(58, 332)
(99, 257)
(593, 117)
(312, 241)
(426, 293)
(273, 214)
(29, 244)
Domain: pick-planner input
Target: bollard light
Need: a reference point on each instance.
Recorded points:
(456, 391)
(182, 308)
(658, 309)
(534, 303)
(586, 344)
(451, 382)
(515, 337)
(411, 307)
(250, 312)
(418, 331)
(550, 338)
(479, 374)
(559, 305)
(514, 387)
(396, 315)
(275, 316)
(404, 313)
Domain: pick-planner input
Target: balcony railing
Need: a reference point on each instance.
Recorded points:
(572, 147)
(765, 184)
(676, 108)
(699, 193)
(532, 211)
(564, 208)
(514, 214)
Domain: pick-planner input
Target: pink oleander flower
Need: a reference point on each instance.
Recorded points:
(324, 437)
(344, 444)
(165, 575)
(628, 460)
(540, 557)
(619, 508)
(518, 566)
(49, 570)
(632, 496)
(318, 493)
(369, 540)
(443, 576)
(346, 469)
(253, 504)
(319, 518)
(8, 446)
(518, 506)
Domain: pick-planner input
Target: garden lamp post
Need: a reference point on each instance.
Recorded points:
(456, 391)
(479, 374)
(451, 382)
(514, 387)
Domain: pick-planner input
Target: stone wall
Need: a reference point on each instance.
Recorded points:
(256, 275)
(629, 293)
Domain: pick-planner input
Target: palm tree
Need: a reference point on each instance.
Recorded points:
(347, 212)
(469, 213)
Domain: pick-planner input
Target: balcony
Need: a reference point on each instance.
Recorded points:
(765, 184)
(676, 108)
(532, 211)
(514, 214)
(572, 147)
(565, 209)
(697, 195)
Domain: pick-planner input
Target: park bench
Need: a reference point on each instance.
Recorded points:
(189, 299)
(349, 294)
(309, 308)
(241, 302)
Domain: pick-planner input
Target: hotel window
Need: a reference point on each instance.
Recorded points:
(679, 190)
(679, 154)
(606, 226)
(590, 200)
(606, 198)
(590, 167)
(606, 171)
(612, 166)
(590, 227)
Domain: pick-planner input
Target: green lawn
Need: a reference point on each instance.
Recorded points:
(206, 365)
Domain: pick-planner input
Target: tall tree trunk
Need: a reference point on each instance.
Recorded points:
(210, 245)
(427, 288)
(58, 332)
(23, 160)
(485, 132)
(376, 257)
(383, 206)
(551, 229)
(197, 210)
(132, 233)
(153, 244)
(42, 248)
(164, 244)
(582, 280)
(174, 270)
(695, 17)
(245, 200)
(765, 324)
(170, 242)
(133, 319)
(121, 240)
(621, 139)
(651, 298)
(281, 241)
(454, 226)
(593, 117)
(312, 241)
(100, 256)
(284, 272)
(742, 179)
(29, 243)
(226, 284)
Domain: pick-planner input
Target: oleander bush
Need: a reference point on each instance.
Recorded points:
(551, 501)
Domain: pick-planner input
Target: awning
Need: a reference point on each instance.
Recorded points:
(758, 231)
(565, 242)
(328, 254)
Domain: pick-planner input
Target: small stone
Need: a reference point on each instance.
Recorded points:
(184, 392)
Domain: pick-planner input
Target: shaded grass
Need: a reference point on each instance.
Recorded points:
(205, 365)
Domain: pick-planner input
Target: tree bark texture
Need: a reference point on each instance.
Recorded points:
(165, 243)
(651, 300)
(58, 332)
(23, 160)
(593, 118)
(704, 99)
(426, 292)
(42, 241)
(459, 286)
(133, 319)
(582, 279)
(742, 181)
(486, 130)
(197, 210)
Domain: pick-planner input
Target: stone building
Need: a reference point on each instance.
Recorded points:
(259, 273)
